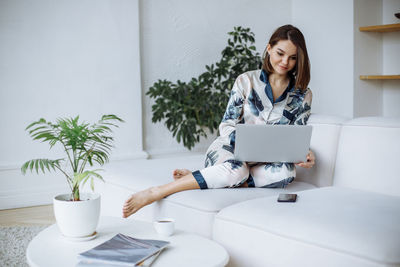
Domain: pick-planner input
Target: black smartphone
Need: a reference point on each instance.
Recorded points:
(287, 197)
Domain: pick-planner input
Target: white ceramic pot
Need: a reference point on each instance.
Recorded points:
(77, 218)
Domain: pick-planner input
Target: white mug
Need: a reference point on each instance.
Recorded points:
(165, 226)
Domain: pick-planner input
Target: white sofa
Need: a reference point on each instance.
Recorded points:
(347, 212)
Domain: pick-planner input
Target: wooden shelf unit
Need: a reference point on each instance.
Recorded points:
(381, 28)
(379, 77)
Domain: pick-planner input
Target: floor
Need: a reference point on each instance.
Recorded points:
(38, 215)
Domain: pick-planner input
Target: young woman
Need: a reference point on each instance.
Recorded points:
(277, 94)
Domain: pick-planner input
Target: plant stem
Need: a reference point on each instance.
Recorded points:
(76, 193)
(75, 167)
(66, 151)
(86, 158)
(67, 176)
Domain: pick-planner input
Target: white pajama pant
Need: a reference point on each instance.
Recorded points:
(222, 170)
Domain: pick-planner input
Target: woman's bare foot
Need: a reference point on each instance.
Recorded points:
(139, 200)
(148, 196)
(179, 173)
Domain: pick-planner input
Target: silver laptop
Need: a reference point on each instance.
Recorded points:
(272, 143)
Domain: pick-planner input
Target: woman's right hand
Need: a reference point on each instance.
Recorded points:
(310, 161)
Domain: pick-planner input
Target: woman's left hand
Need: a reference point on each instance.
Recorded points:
(310, 161)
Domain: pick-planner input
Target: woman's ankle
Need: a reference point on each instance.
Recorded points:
(156, 193)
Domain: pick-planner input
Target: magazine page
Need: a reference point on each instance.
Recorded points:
(122, 250)
(88, 263)
(147, 262)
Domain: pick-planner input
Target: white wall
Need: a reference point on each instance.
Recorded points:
(376, 53)
(180, 37)
(367, 58)
(328, 30)
(391, 62)
(63, 58)
(340, 53)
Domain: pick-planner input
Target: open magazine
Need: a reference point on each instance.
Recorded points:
(122, 250)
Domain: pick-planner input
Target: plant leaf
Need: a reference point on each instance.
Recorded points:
(186, 108)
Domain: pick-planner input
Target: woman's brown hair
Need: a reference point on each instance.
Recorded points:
(301, 71)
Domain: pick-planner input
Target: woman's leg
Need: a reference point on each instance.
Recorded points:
(222, 170)
(226, 173)
(273, 175)
(230, 173)
(148, 196)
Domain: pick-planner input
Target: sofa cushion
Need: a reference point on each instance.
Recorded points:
(194, 210)
(137, 175)
(140, 174)
(127, 177)
(331, 226)
(216, 199)
(324, 141)
(368, 154)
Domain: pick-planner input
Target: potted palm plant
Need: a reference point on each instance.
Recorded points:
(84, 144)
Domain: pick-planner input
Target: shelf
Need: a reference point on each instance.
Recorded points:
(379, 77)
(381, 28)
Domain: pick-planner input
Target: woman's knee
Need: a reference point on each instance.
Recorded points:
(237, 172)
(230, 173)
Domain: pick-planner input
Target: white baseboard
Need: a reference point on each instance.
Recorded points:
(28, 197)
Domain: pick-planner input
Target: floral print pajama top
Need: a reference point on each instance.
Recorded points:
(251, 102)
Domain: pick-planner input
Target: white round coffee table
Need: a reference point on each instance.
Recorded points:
(50, 248)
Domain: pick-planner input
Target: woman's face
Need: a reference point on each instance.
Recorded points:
(283, 56)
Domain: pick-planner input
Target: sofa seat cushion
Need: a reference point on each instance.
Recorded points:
(194, 211)
(213, 200)
(127, 177)
(137, 175)
(346, 226)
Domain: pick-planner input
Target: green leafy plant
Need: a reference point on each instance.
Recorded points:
(83, 144)
(189, 108)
